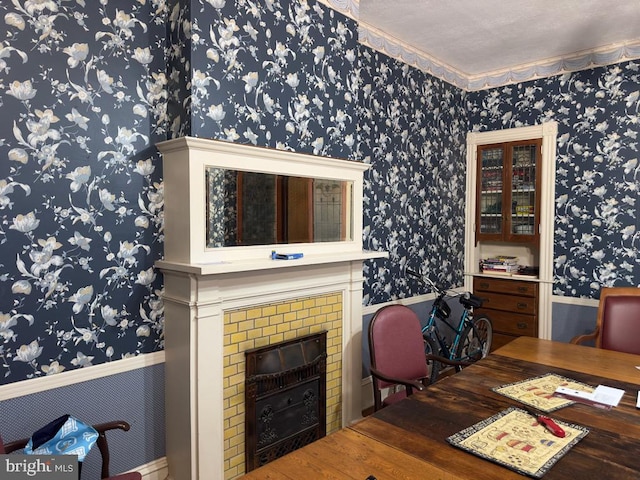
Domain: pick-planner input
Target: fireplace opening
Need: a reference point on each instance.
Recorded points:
(285, 397)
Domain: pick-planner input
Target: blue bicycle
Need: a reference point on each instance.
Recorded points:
(472, 334)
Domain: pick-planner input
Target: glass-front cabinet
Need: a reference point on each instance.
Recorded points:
(508, 203)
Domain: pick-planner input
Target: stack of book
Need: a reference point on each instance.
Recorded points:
(502, 264)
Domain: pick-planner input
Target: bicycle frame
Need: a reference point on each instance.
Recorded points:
(441, 310)
(431, 328)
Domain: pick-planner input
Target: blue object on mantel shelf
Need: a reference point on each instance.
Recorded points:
(285, 256)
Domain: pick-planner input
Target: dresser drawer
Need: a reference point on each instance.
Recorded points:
(509, 303)
(511, 323)
(502, 285)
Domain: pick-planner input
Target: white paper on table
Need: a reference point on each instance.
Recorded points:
(608, 395)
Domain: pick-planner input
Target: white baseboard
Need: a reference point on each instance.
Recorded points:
(155, 470)
(367, 393)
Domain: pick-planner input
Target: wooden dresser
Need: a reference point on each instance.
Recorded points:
(512, 306)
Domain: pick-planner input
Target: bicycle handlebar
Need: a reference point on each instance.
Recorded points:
(413, 273)
(421, 278)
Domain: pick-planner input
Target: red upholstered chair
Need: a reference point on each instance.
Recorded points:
(618, 321)
(103, 446)
(397, 354)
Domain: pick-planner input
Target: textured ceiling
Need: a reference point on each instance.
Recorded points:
(479, 38)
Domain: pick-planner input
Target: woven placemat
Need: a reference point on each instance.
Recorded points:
(514, 439)
(538, 391)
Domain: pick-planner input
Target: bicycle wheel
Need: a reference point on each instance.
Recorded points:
(431, 347)
(475, 341)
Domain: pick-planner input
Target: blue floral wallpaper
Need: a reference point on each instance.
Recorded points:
(281, 75)
(596, 237)
(413, 132)
(83, 96)
(88, 87)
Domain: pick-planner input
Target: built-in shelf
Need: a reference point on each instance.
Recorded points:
(542, 254)
(514, 276)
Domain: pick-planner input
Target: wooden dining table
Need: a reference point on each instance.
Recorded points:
(408, 440)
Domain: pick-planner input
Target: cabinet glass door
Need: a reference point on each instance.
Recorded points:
(491, 185)
(523, 189)
(507, 188)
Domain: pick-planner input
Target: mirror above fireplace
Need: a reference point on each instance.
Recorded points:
(227, 206)
(253, 208)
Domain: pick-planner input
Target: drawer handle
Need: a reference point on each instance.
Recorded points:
(484, 284)
(523, 289)
(523, 306)
(522, 325)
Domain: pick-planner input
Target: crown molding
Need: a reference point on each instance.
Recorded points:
(394, 48)
(380, 41)
(349, 8)
(585, 60)
(600, 57)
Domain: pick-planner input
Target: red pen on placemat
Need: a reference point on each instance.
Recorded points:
(548, 423)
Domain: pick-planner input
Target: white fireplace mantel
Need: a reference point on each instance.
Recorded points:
(202, 283)
(222, 267)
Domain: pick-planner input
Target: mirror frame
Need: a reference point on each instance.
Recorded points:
(185, 161)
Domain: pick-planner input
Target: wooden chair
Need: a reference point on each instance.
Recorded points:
(617, 322)
(103, 446)
(397, 354)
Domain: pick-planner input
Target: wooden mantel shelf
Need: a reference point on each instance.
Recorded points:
(222, 267)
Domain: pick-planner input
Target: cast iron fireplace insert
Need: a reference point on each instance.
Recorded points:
(285, 398)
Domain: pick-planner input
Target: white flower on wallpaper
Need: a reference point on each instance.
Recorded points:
(84, 89)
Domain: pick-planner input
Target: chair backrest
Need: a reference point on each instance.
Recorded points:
(618, 319)
(102, 444)
(396, 345)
